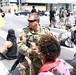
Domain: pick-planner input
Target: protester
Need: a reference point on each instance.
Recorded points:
(53, 17)
(61, 17)
(50, 18)
(28, 41)
(33, 9)
(9, 50)
(49, 51)
(67, 20)
(65, 39)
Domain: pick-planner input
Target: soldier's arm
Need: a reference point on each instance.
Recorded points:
(22, 48)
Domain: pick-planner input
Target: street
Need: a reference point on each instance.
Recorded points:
(19, 22)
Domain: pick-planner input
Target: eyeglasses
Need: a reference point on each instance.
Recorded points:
(31, 20)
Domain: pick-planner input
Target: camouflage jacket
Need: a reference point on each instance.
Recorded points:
(29, 38)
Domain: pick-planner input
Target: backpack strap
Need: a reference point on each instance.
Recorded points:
(49, 65)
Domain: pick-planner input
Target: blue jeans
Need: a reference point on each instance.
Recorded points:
(63, 43)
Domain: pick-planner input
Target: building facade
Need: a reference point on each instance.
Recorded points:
(11, 5)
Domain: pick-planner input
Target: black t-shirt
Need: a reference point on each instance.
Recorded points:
(68, 14)
(50, 12)
(33, 10)
(53, 12)
(12, 51)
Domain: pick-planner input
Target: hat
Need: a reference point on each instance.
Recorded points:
(11, 34)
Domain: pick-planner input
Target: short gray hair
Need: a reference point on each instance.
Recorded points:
(36, 16)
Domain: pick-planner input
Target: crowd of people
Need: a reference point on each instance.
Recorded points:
(39, 46)
(65, 38)
(63, 17)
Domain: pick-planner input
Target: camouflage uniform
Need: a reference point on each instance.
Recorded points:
(29, 38)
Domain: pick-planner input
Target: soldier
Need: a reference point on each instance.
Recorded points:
(27, 45)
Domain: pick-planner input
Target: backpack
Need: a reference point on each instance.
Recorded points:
(73, 36)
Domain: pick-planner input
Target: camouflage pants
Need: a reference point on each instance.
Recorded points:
(36, 65)
(74, 71)
(30, 70)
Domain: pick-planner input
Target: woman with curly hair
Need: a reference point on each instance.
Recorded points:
(49, 50)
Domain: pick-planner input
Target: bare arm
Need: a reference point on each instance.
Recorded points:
(7, 44)
(62, 39)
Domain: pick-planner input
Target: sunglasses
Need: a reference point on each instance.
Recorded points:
(31, 20)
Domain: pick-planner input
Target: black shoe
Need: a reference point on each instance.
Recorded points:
(72, 47)
(74, 25)
(49, 25)
(55, 27)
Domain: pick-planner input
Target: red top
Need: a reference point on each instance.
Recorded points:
(49, 65)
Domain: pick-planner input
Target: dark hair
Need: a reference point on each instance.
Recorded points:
(74, 31)
(49, 46)
(11, 35)
(68, 25)
(33, 6)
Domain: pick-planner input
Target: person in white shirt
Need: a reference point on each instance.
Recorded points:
(65, 39)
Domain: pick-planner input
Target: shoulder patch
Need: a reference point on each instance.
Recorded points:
(26, 29)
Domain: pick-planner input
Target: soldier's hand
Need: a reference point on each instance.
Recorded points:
(22, 67)
(29, 51)
(28, 60)
(34, 50)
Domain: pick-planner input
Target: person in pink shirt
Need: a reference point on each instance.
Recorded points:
(49, 51)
